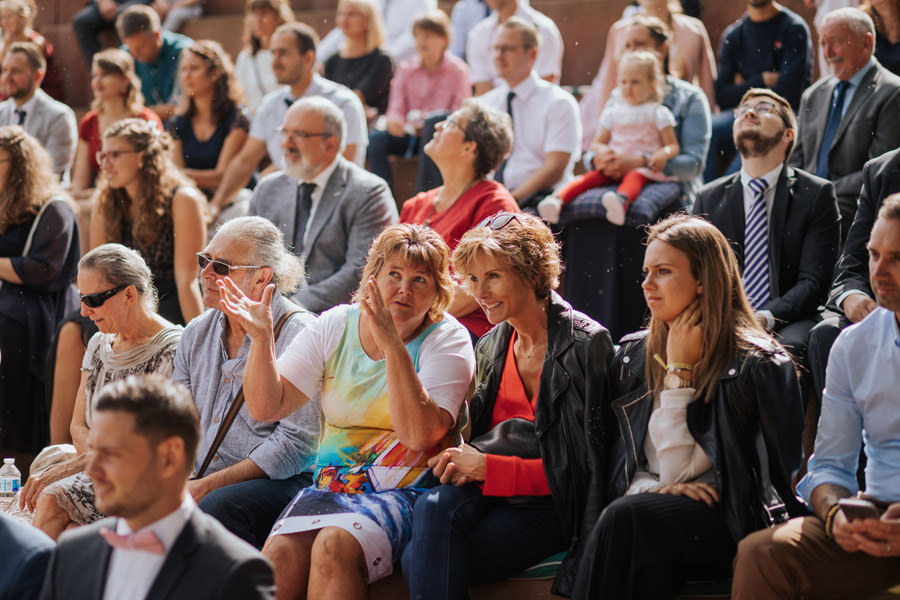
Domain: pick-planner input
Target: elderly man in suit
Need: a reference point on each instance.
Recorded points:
(783, 222)
(158, 545)
(51, 122)
(851, 116)
(328, 209)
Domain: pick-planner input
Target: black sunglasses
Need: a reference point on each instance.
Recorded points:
(97, 300)
(219, 267)
(499, 221)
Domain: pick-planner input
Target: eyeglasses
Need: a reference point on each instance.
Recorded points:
(112, 155)
(290, 134)
(507, 49)
(499, 221)
(99, 299)
(219, 267)
(760, 108)
(450, 121)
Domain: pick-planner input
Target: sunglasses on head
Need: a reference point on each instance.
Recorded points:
(221, 268)
(97, 300)
(499, 221)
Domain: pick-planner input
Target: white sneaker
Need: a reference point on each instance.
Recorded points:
(549, 209)
(614, 204)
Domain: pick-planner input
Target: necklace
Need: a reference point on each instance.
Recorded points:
(433, 217)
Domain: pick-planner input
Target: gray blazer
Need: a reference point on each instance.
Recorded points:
(206, 562)
(355, 206)
(870, 127)
(53, 124)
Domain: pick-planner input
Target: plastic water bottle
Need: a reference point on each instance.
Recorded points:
(10, 481)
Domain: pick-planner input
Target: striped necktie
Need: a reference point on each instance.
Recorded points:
(756, 247)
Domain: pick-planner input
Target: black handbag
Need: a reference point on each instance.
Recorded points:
(513, 437)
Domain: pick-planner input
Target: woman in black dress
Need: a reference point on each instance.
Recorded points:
(39, 252)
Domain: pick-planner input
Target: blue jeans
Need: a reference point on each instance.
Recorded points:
(721, 144)
(248, 509)
(381, 145)
(460, 536)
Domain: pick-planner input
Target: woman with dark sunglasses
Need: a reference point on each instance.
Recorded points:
(116, 291)
(514, 494)
(466, 147)
(39, 248)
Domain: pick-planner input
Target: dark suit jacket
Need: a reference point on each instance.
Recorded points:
(870, 127)
(355, 206)
(880, 178)
(803, 236)
(26, 554)
(206, 562)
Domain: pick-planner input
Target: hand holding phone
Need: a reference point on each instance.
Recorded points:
(860, 508)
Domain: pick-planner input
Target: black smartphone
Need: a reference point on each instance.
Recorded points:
(859, 508)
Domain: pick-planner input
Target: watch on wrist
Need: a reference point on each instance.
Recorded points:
(674, 381)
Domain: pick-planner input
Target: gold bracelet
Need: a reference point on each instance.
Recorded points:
(672, 366)
(829, 518)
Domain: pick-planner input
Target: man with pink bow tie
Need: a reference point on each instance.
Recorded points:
(158, 545)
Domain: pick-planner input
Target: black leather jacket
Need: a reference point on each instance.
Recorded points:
(756, 411)
(575, 366)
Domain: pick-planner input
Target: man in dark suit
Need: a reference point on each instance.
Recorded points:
(783, 222)
(851, 116)
(851, 298)
(26, 553)
(143, 439)
(328, 209)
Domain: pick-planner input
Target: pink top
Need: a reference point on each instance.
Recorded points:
(636, 130)
(691, 58)
(415, 88)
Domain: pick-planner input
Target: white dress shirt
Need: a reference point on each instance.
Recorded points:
(12, 118)
(480, 43)
(545, 119)
(131, 573)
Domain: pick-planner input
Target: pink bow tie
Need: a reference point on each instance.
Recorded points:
(145, 541)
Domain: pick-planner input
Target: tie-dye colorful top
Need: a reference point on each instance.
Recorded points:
(359, 451)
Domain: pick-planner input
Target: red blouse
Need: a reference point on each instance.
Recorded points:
(511, 475)
(89, 131)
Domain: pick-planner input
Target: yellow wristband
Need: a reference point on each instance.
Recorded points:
(829, 518)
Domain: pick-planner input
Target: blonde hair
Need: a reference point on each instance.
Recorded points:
(416, 245)
(648, 64)
(282, 8)
(30, 180)
(375, 35)
(113, 61)
(159, 179)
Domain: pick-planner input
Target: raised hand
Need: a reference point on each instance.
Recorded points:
(381, 323)
(254, 317)
(685, 341)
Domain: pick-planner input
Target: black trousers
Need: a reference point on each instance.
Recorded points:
(644, 547)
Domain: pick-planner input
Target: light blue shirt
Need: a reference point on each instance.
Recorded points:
(281, 449)
(854, 85)
(861, 402)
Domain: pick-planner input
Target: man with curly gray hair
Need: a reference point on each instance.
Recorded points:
(257, 468)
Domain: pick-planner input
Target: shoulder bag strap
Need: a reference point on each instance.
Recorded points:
(34, 226)
(236, 404)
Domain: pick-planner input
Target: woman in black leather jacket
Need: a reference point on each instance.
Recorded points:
(513, 495)
(704, 427)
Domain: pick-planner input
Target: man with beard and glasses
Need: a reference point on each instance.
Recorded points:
(783, 223)
(328, 209)
(838, 553)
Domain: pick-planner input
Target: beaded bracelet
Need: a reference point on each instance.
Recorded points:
(673, 366)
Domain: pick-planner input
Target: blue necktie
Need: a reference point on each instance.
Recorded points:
(21, 117)
(756, 247)
(831, 127)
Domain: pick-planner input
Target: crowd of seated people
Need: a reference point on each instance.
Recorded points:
(257, 371)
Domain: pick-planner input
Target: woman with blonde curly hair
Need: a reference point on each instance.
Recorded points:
(210, 126)
(39, 251)
(513, 495)
(117, 96)
(362, 64)
(390, 372)
(253, 66)
(144, 202)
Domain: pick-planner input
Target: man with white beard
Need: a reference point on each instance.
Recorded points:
(328, 209)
